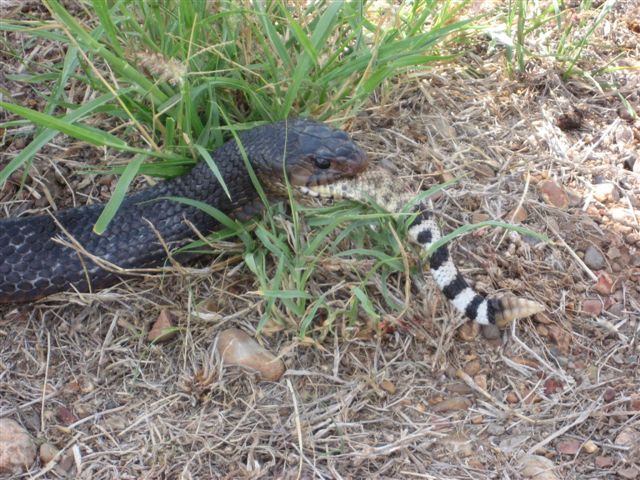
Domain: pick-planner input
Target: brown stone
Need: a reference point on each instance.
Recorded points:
(162, 329)
(237, 348)
(17, 450)
(553, 194)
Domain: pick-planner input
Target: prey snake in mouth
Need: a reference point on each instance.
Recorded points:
(316, 159)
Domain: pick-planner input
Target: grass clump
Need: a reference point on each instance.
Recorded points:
(575, 27)
(173, 77)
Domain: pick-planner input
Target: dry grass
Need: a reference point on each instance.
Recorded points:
(77, 370)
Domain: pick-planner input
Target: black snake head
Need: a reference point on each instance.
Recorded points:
(316, 154)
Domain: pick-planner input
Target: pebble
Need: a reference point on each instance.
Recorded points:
(491, 332)
(604, 462)
(237, 348)
(592, 306)
(553, 194)
(605, 192)
(605, 284)
(388, 386)
(622, 214)
(628, 473)
(628, 437)
(17, 449)
(472, 367)
(517, 215)
(537, 467)
(633, 237)
(594, 259)
(47, 452)
(162, 329)
(452, 404)
(569, 447)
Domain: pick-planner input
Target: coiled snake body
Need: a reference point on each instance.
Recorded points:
(317, 160)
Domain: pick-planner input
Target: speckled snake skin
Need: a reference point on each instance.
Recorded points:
(33, 265)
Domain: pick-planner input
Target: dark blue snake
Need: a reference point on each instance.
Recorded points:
(33, 265)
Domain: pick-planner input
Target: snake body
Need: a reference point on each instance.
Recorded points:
(34, 265)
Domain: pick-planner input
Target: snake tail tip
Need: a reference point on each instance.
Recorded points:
(513, 308)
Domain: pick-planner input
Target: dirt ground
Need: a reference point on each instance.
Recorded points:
(428, 398)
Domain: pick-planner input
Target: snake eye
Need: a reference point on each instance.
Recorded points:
(322, 162)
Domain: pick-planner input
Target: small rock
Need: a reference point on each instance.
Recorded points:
(496, 429)
(65, 416)
(553, 194)
(634, 403)
(468, 332)
(537, 467)
(592, 306)
(491, 332)
(472, 367)
(623, 134)
(477, 419)
(517, 215)
(452, 404)
(604, 462)
(609, 395)
(613, 253)
(629, 473)
(47, 452)
(604, 286)
(552, 385)
(561, 338)
(632, 238)
(631, 163)
(459, 388)
(605, 192)
(622, 214)
(237, 348)
(593, 258)
(388, 386)
(459, 445)
(511, 398)
(478, 217)
(526, 362)
(628, 437)
(512, 442)
(66, 463)
(162, 329)
(590, 447)
(480, 381)
(569, 447)
(17, 450)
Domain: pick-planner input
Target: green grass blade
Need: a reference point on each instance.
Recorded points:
(214, 168)
(105, 16)
(493, 223)
(81, 132)
(111, 208)
(46, 135)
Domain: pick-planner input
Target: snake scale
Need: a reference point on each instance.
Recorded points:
(316, 159)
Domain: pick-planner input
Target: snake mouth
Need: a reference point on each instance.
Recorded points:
(312, 173)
